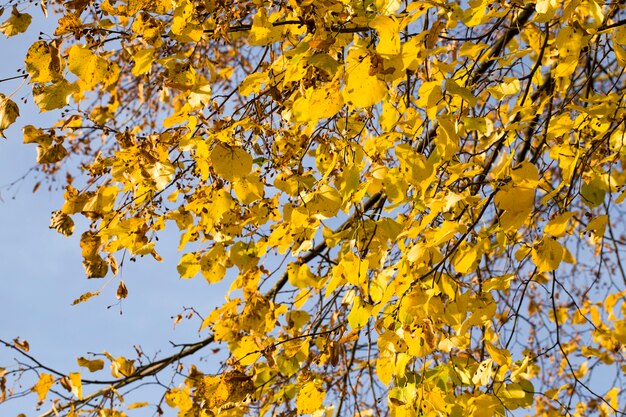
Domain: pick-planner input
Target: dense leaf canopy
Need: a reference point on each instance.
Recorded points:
(416, 204)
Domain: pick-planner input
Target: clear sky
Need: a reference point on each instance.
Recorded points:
(41, 271)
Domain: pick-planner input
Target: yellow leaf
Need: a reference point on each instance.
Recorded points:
(447, 231)
(95, 267)
(471, 49)
(359, 314)
(188, 266)
(253, 83)
(230, 162)
(43, 386)
(62, 223)
(138, 405)
(161, 173)
(178, 398)
(310, 398)
(474, 15)
(21, 344)
(500, 356)
(54, 96)
(414, 165)
(597, 226)
(103, 201)
(143, 61)
(122, 367)
(43, 62)
(466, 94)
(245, 350)
(249, 189)
(593, 192)
(388, 6)
(77, 385)
(16, 23)
(361, 88)
(263, 32)
(84, 297)
(547, 254)
(92, 365)
(509, 87)
(184, 25)
(69, 23)
(90, 68)
(429, 96)
(51, 154)
(300, 276)
(517, 203)
(384, 369)
(388, 29)
(9, 112)
(620, 53)
(557, 226)
(325, 62)
(484, 373)
(569, 42)
(484, 405)
(318, 103)
(213, 264)
(90, 243)
(323, 203)
(421, 341)
(466, 259)
(499, 283)
(546, 8)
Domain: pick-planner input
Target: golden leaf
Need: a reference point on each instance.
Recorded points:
(21, 344)
(121, 367)
(43, 386)
(230, 162)
(16, 23)
(547, 254)
(310, 398)
(361, 89)
(76, 385)
(43, 62)
(91, 68)
(93, 365)
(9, 112)
(62, 223)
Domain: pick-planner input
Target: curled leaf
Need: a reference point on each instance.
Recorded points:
(62, 223)
(92, 365)
(9, 112)
(121, 292)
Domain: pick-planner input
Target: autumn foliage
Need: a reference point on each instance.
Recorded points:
(416, 204)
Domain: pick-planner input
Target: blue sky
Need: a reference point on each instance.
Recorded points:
(41, 271)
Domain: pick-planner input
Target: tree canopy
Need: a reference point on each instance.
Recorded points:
(416, 204)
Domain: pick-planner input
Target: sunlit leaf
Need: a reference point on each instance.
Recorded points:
(9, 112)
(16, 23)
(230, 162)
(91, 68)
(547, 254)
(310, 398)
(54, 96)
(362, 89)
(43, 386)
(93, 365)
(43, 62)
